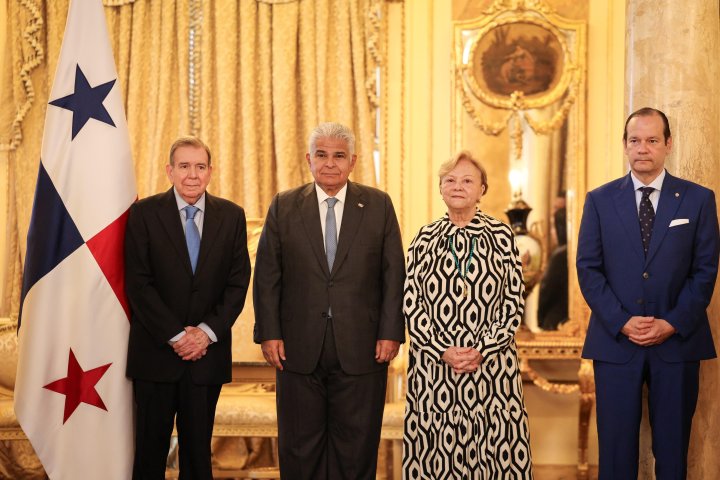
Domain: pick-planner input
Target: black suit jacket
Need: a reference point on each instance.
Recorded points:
(293, 287)
(165, 296)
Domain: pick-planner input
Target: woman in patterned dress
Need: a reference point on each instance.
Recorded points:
(465, 417)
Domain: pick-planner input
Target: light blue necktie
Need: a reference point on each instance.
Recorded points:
(330, 232)
(192, 235)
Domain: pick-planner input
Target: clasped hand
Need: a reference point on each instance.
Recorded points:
(193, 345)
(462, 359)
(646, 331)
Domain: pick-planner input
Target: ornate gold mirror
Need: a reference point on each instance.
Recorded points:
(519, 86)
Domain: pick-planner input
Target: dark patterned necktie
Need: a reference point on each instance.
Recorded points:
(647, 217)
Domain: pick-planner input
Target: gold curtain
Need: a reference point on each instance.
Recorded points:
(269, 72)
(149, 40)
(264, 73)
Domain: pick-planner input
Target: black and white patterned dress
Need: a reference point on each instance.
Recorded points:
(467, 425)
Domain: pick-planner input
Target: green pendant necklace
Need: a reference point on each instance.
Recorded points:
(463, 274)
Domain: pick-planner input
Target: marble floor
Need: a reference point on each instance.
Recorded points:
(560, 472)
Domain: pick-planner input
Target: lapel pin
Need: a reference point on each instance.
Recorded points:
(677, 195)
(360, 205)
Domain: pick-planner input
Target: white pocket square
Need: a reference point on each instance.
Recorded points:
(679, 221)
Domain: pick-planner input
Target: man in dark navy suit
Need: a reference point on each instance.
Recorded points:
(647, 261)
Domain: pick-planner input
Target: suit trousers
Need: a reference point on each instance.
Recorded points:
(672, 396)
(328, 421)
(156, 405)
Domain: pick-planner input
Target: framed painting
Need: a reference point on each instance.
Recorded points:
(516, 62)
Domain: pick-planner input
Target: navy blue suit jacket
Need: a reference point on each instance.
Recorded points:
(675, 282)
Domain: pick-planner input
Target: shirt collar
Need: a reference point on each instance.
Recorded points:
(476, 225)
(656, 184)
(181, 203)
(322, 196)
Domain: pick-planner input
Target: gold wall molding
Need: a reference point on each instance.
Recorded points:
(520, 5)
(32, 35)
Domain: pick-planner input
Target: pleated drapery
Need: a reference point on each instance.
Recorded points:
(250, 77)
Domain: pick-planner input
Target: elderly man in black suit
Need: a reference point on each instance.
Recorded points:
(328, 288)
(187, 274)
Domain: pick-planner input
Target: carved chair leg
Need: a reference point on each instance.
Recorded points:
(587, 402)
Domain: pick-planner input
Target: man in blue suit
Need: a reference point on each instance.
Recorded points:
(647, 260)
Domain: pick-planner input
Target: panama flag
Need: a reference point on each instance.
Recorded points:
(72, 398)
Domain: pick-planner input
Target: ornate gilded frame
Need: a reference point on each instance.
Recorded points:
(564, 72)
(571, 37)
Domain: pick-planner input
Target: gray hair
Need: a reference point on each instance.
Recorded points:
(332, 130)
(188, 141)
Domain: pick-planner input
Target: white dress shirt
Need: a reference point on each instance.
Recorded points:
(199, 215)
(654, 196)
(323, 206)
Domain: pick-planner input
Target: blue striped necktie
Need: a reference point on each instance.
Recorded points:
(192, 235)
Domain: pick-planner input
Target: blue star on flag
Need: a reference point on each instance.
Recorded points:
(86, 102)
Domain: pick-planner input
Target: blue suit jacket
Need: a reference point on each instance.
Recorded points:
(675, 282)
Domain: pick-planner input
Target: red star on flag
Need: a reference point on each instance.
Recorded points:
(79, 386)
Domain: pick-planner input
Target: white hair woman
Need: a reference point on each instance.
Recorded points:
(463, 302)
